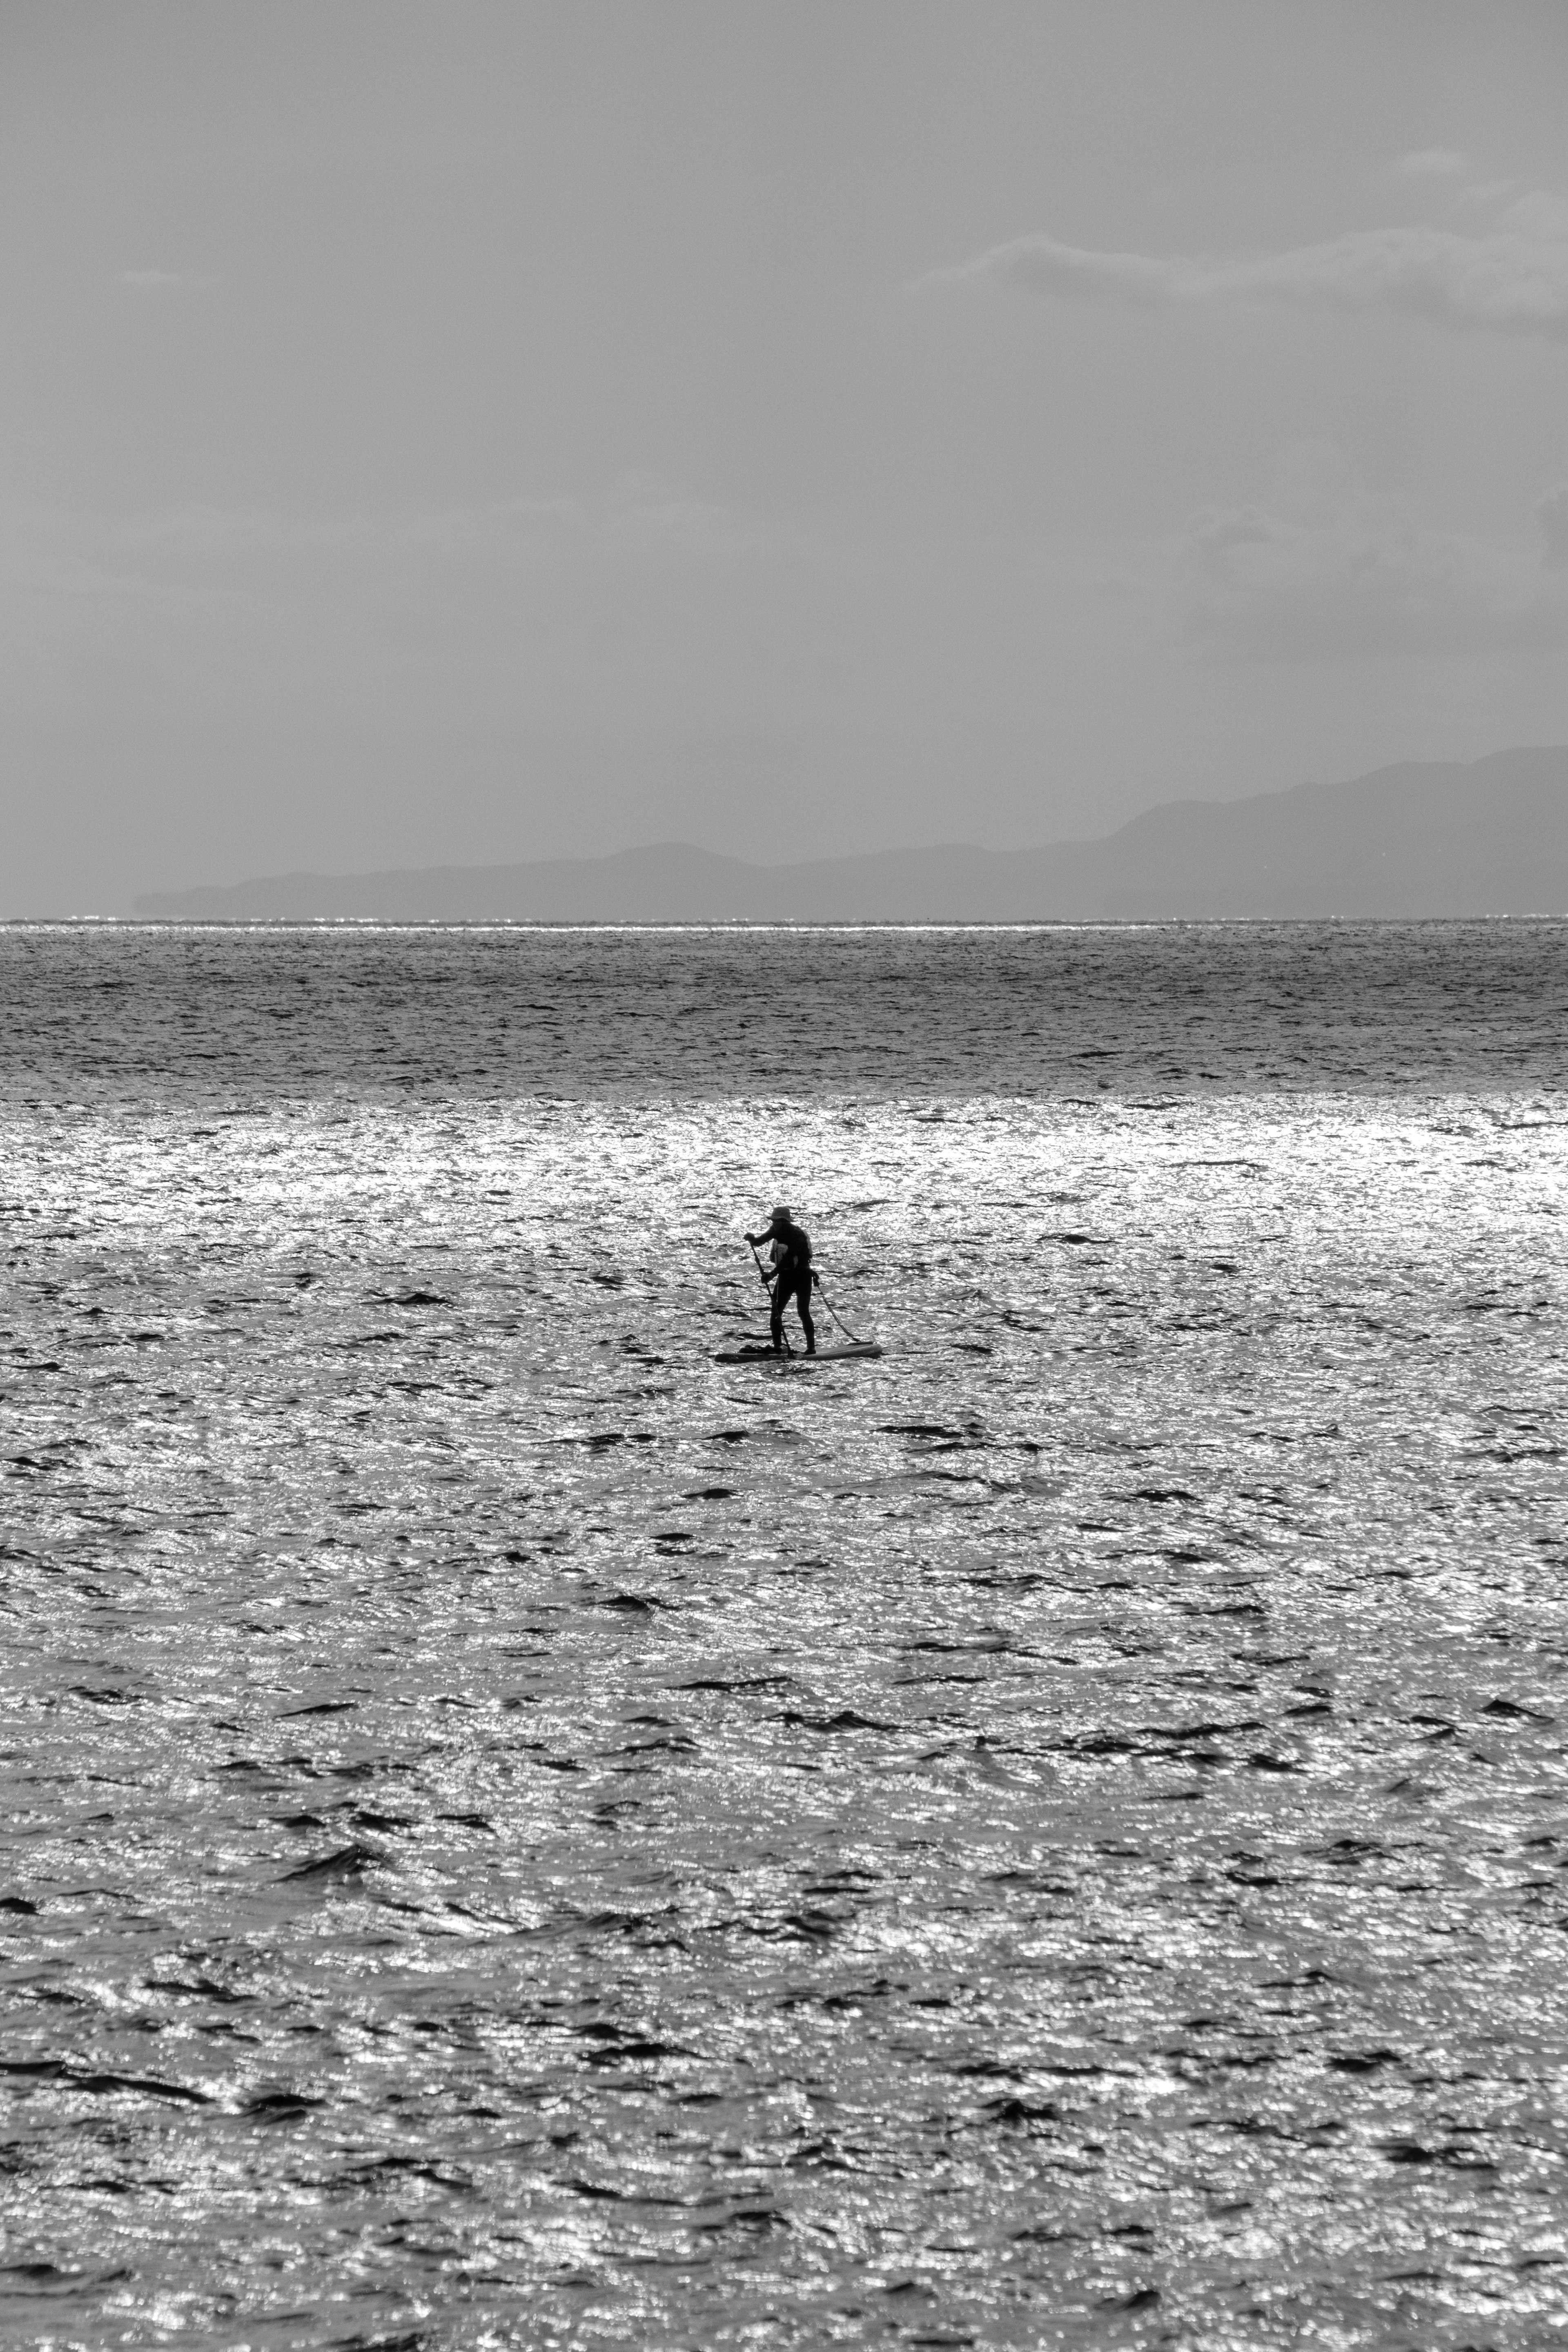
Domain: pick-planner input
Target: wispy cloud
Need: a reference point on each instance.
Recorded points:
(1552, 514)
(1344, 576)
(1508, 275)
(639, 603)
(1430, 163)
(165, 281)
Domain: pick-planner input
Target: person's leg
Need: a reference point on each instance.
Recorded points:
(776, 1317)
(803, 1300)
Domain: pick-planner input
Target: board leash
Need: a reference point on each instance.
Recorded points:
(854, 1337)
(838, 1318)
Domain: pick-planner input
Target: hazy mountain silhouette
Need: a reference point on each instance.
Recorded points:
(1489, 837)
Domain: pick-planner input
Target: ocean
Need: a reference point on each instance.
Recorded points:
(517, 1834)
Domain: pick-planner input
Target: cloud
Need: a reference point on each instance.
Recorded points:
(1333, 575)
(164, 281)
(1552, 514)
(1430, 163)
(1510, 278)
(641, 604)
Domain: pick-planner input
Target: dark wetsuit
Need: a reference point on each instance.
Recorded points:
(793, 1281)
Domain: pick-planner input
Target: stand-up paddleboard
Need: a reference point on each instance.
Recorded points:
(853, 1351)
(850, 1350)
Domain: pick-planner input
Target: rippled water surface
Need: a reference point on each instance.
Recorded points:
(516, 1834)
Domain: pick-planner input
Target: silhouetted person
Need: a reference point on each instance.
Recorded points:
(791, 1254)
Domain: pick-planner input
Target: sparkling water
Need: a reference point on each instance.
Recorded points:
(518, 1834)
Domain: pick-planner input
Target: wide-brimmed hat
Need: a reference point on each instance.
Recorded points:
(779, 1217)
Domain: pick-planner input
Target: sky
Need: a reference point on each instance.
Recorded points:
(466, 433)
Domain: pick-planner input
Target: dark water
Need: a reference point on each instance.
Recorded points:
(287, 1014)
(515, 1834)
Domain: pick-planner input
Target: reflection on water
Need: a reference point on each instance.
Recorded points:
(515, 1834)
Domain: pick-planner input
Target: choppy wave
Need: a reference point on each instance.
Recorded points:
(517, 1834)
(274, 1013)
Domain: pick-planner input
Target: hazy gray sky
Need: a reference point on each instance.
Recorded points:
(475, 432)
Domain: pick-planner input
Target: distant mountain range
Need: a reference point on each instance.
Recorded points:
(1486, 838)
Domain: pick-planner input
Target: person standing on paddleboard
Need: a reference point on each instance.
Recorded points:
(791, 1256)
